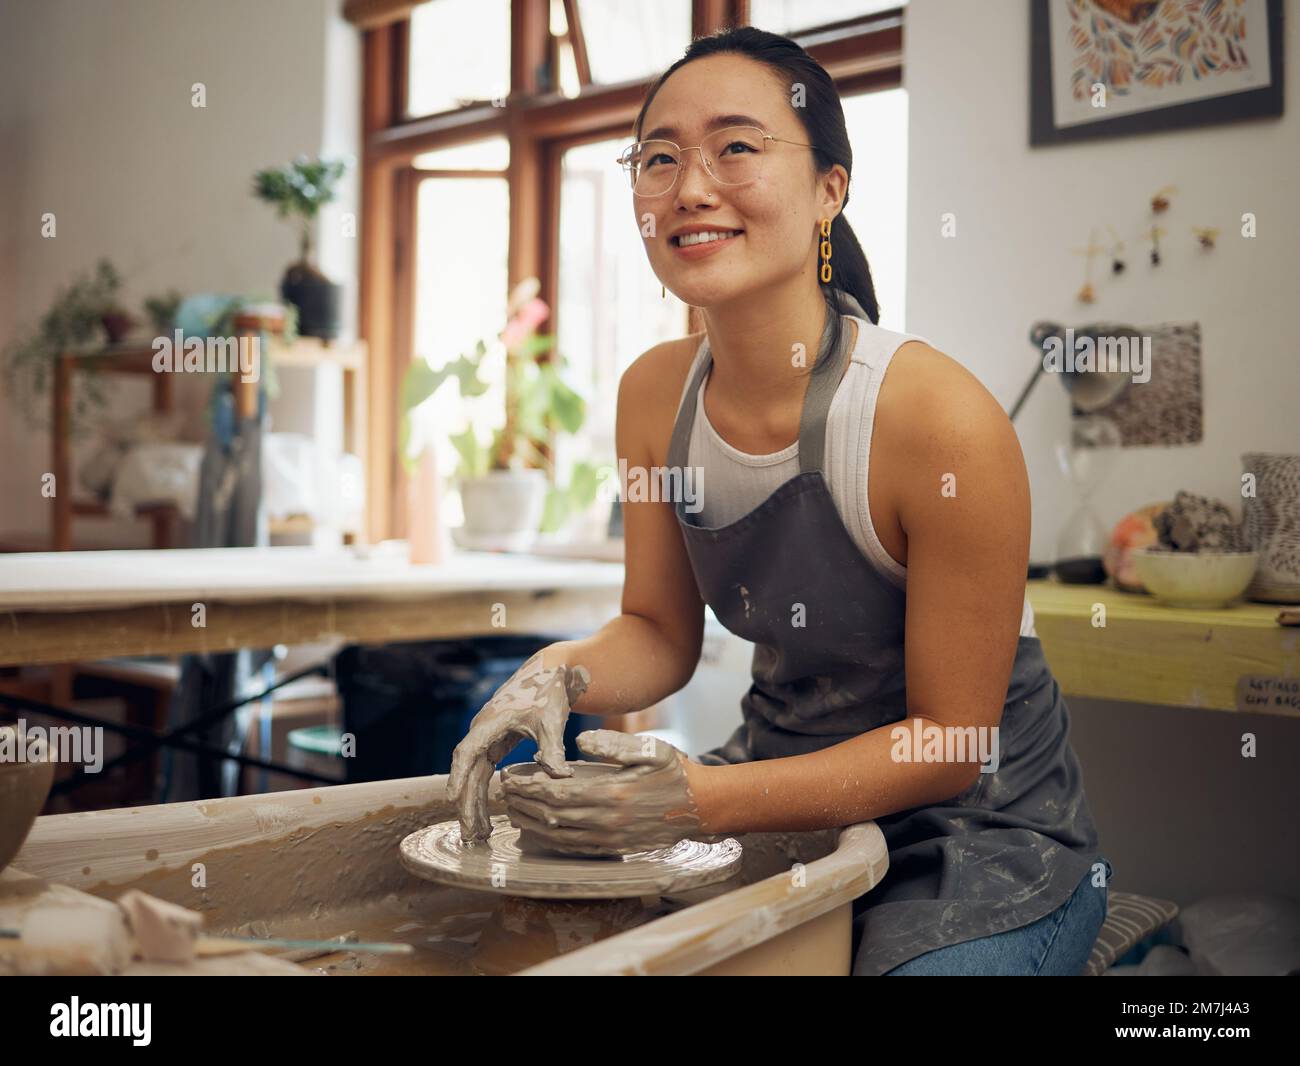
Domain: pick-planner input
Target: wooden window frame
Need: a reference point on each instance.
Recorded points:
(862, 55)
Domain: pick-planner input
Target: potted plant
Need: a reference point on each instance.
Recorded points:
(117, 322)
(74, 321)
(298, 191)
(162, 309)
(504, 486)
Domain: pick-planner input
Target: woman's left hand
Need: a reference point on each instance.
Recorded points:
(644, 806)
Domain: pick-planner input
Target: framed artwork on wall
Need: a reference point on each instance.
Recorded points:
(1107, 68)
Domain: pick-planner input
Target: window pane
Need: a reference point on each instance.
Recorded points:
(877, 210)
(460, 298)
(570, 83)
(610, 307)
(629, 39)
(492, 153)
(459, 52)
(787, 16)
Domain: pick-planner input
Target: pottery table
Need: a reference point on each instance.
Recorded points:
(60, 607)
(272, 867)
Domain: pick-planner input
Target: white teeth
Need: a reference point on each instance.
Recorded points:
(687, 239)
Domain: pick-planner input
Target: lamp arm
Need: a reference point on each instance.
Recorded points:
(1024, 393)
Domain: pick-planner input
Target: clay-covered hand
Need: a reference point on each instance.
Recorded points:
(644, 806)
(534, 703)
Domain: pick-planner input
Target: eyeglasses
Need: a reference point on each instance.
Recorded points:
(732, 156)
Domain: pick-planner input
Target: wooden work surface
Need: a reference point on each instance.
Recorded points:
(68, 606)
(1149, 653)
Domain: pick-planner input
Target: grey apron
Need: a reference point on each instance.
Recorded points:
(1006, 852)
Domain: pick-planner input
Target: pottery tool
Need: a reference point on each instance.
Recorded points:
(76, 933)
(226, 945)
(205, 946)
(336, 945)
(230, 945)
(497, 864)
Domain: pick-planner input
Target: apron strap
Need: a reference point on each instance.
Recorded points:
(679, 443)
(822, 383)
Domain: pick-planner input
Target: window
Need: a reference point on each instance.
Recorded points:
(791, 16)
(456, 212)
(877, 211)
(443, 73)
(610, 307)
(492, 153)
(627, 40)
(461, 239)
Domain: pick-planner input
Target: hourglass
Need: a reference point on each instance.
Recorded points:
(1090, 455)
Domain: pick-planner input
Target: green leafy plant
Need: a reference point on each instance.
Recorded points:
(298, 191)
(538, 405)
(73, 322)
(421, 381)
(162, 310)
(572, 499)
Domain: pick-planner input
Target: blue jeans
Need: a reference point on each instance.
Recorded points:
(1057, 945)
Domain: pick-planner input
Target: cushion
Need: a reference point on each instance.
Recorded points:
(1130, 919)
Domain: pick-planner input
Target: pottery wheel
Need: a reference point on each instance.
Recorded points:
(437, 853)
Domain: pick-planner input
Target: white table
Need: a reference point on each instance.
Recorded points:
(68, 606)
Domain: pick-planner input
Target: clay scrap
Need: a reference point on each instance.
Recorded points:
(64, 932)
(164, 932)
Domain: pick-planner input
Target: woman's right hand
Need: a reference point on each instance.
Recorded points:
(534, 703)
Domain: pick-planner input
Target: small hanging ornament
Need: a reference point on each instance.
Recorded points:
(1116, 263)
(1206, 235)
(1160, 201)
(1156, 233)
(1087, 294)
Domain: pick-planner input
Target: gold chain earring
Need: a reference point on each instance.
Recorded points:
(826, 250)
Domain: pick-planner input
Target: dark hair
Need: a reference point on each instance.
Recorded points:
(823, 119)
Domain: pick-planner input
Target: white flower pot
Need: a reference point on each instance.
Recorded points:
(503, 509)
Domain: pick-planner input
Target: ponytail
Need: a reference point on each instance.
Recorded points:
(850, 290)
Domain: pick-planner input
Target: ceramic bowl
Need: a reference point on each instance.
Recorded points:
(1195, 579)
(582, 771)
(23, 788)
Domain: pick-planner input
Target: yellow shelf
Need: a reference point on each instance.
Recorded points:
(1237, 658)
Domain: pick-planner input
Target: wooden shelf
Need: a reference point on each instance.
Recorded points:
(309, 351)
(95, 509)
(296, 523)
(118, 358)
(1149, 653)
(136, 357)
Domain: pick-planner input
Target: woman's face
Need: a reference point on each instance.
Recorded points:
(772, 220)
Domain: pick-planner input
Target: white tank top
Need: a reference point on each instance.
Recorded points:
(738, 482)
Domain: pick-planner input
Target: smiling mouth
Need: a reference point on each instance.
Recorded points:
(689, 240)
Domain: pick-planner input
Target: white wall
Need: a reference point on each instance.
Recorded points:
(96, 125)
(1181, 814)
(1021, 210)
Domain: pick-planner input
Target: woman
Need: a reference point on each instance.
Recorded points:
(863, 517)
